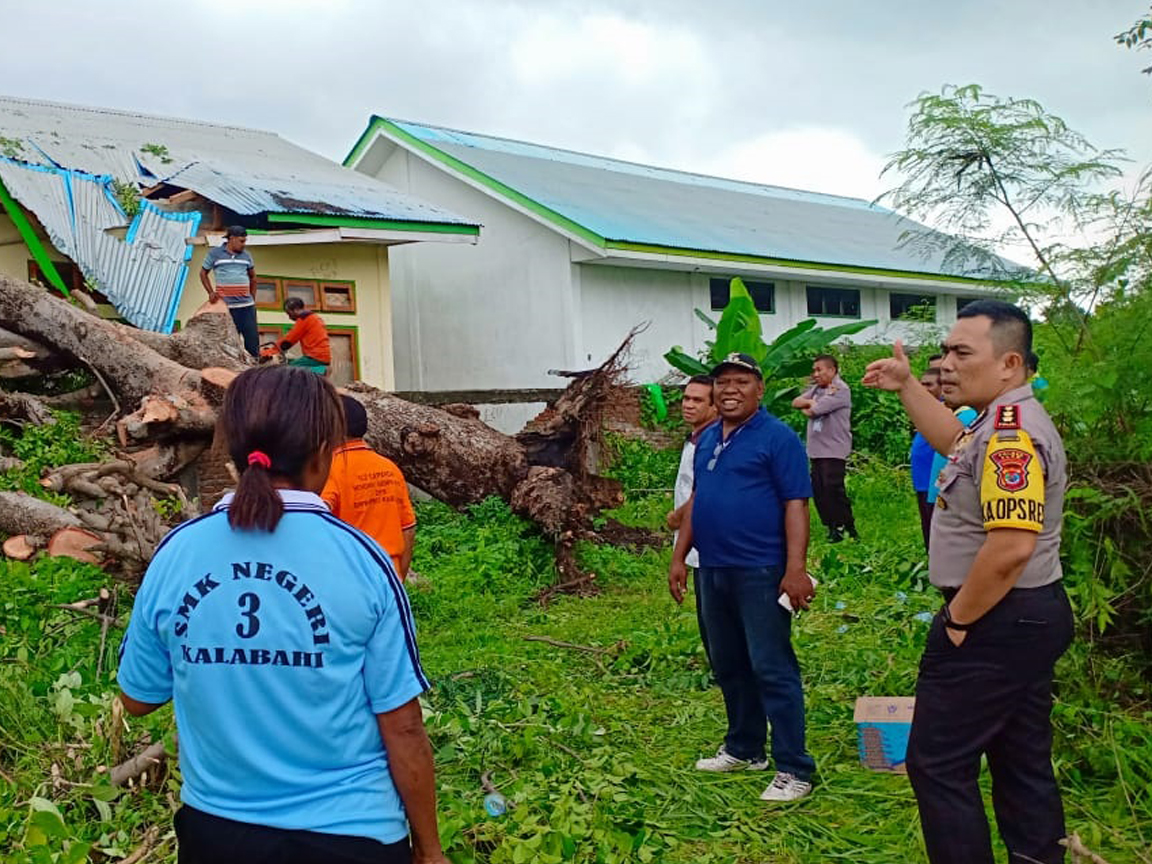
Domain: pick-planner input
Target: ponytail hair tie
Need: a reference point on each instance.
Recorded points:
(259, 457)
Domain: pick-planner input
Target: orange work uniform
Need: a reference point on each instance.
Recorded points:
(368, 491)
(310, 332)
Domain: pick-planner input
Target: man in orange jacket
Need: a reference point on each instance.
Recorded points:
(369, 492)
(308, 329)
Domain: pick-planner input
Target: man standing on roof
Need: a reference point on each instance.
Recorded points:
(368, 491)
(235, 274)
(310, 332)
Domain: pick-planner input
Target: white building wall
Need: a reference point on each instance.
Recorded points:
(615, 299)
(493, 315)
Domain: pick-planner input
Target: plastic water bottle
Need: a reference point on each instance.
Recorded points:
(926, 617)
(843, 628)
(840, 606)
(901, 596)
(495, 804)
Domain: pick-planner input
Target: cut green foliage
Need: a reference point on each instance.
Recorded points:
(47, 446)
(593, 750)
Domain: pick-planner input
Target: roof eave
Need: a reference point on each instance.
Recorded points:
(624, 252)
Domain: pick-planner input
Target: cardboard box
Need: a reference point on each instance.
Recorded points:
(882, 727)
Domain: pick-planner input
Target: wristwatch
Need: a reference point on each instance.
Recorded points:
(955, 625)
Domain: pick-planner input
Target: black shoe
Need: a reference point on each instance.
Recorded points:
(835, 535)
(851, 529)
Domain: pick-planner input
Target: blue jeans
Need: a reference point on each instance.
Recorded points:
(750, 647)
(244, 318)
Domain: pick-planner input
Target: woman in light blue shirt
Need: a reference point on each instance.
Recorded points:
(285, 641)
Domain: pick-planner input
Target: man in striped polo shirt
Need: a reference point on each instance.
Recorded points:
(235, 275)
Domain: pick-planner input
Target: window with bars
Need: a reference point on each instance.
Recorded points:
(833, 302)
(912, 307)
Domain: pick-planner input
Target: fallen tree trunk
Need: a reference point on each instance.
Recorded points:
(209, 338)
(20, 513)
(169, 389)
(457, 460)
(131, 368)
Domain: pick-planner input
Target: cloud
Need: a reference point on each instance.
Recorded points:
(813, 158)
(554, 50)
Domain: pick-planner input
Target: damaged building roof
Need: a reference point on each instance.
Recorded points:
(246, 170)
(79, 170)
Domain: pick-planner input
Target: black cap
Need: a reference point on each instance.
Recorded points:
(237, 231)
(739, 361)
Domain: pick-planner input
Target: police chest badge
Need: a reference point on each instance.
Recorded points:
(1011, 468)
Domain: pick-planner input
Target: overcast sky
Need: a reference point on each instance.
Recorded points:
(805, 94)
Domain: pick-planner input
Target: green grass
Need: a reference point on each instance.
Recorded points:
(595, 751)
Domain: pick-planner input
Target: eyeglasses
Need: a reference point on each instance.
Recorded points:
(715, 455)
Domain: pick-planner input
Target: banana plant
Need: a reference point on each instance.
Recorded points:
(788, 356)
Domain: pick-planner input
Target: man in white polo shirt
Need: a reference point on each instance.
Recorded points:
(235, 274)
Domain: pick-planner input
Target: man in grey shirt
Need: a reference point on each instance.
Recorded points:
(828, 406)
(235, 274)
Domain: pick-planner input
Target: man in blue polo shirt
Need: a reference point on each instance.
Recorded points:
(748, 520)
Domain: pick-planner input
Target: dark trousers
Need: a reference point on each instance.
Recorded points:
(991, 696)
(830, 496)
(700, 614)
(205, 839)
(245, 320)
(926, 510)
(750, 648)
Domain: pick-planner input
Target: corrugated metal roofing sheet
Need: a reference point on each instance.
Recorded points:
(143, 274)
(246, 170)
(626, 202)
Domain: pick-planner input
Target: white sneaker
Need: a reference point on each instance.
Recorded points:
(724, 762)
(785, 787)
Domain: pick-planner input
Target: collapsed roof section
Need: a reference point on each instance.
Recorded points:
(123, 195)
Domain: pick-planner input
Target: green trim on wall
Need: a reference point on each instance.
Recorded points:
(625, 246)
(28, 235)
(530, 204)
(380, 224)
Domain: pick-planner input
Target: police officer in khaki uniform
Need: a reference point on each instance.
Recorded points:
(985, 684)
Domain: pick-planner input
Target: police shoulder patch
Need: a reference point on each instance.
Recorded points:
(1012, 493)
(1007, 417)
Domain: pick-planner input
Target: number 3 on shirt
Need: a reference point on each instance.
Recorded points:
(250, 603)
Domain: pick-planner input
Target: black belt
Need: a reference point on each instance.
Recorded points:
(949, 593)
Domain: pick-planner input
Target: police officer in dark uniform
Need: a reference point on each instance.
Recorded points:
(985, 683)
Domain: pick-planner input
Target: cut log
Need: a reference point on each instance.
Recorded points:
(209, 338)
(75, 543)
(20, 513)
(15, 352)
(167, 460)
(214, 381)
(19, 547)
(21, 406)
(132, 369)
